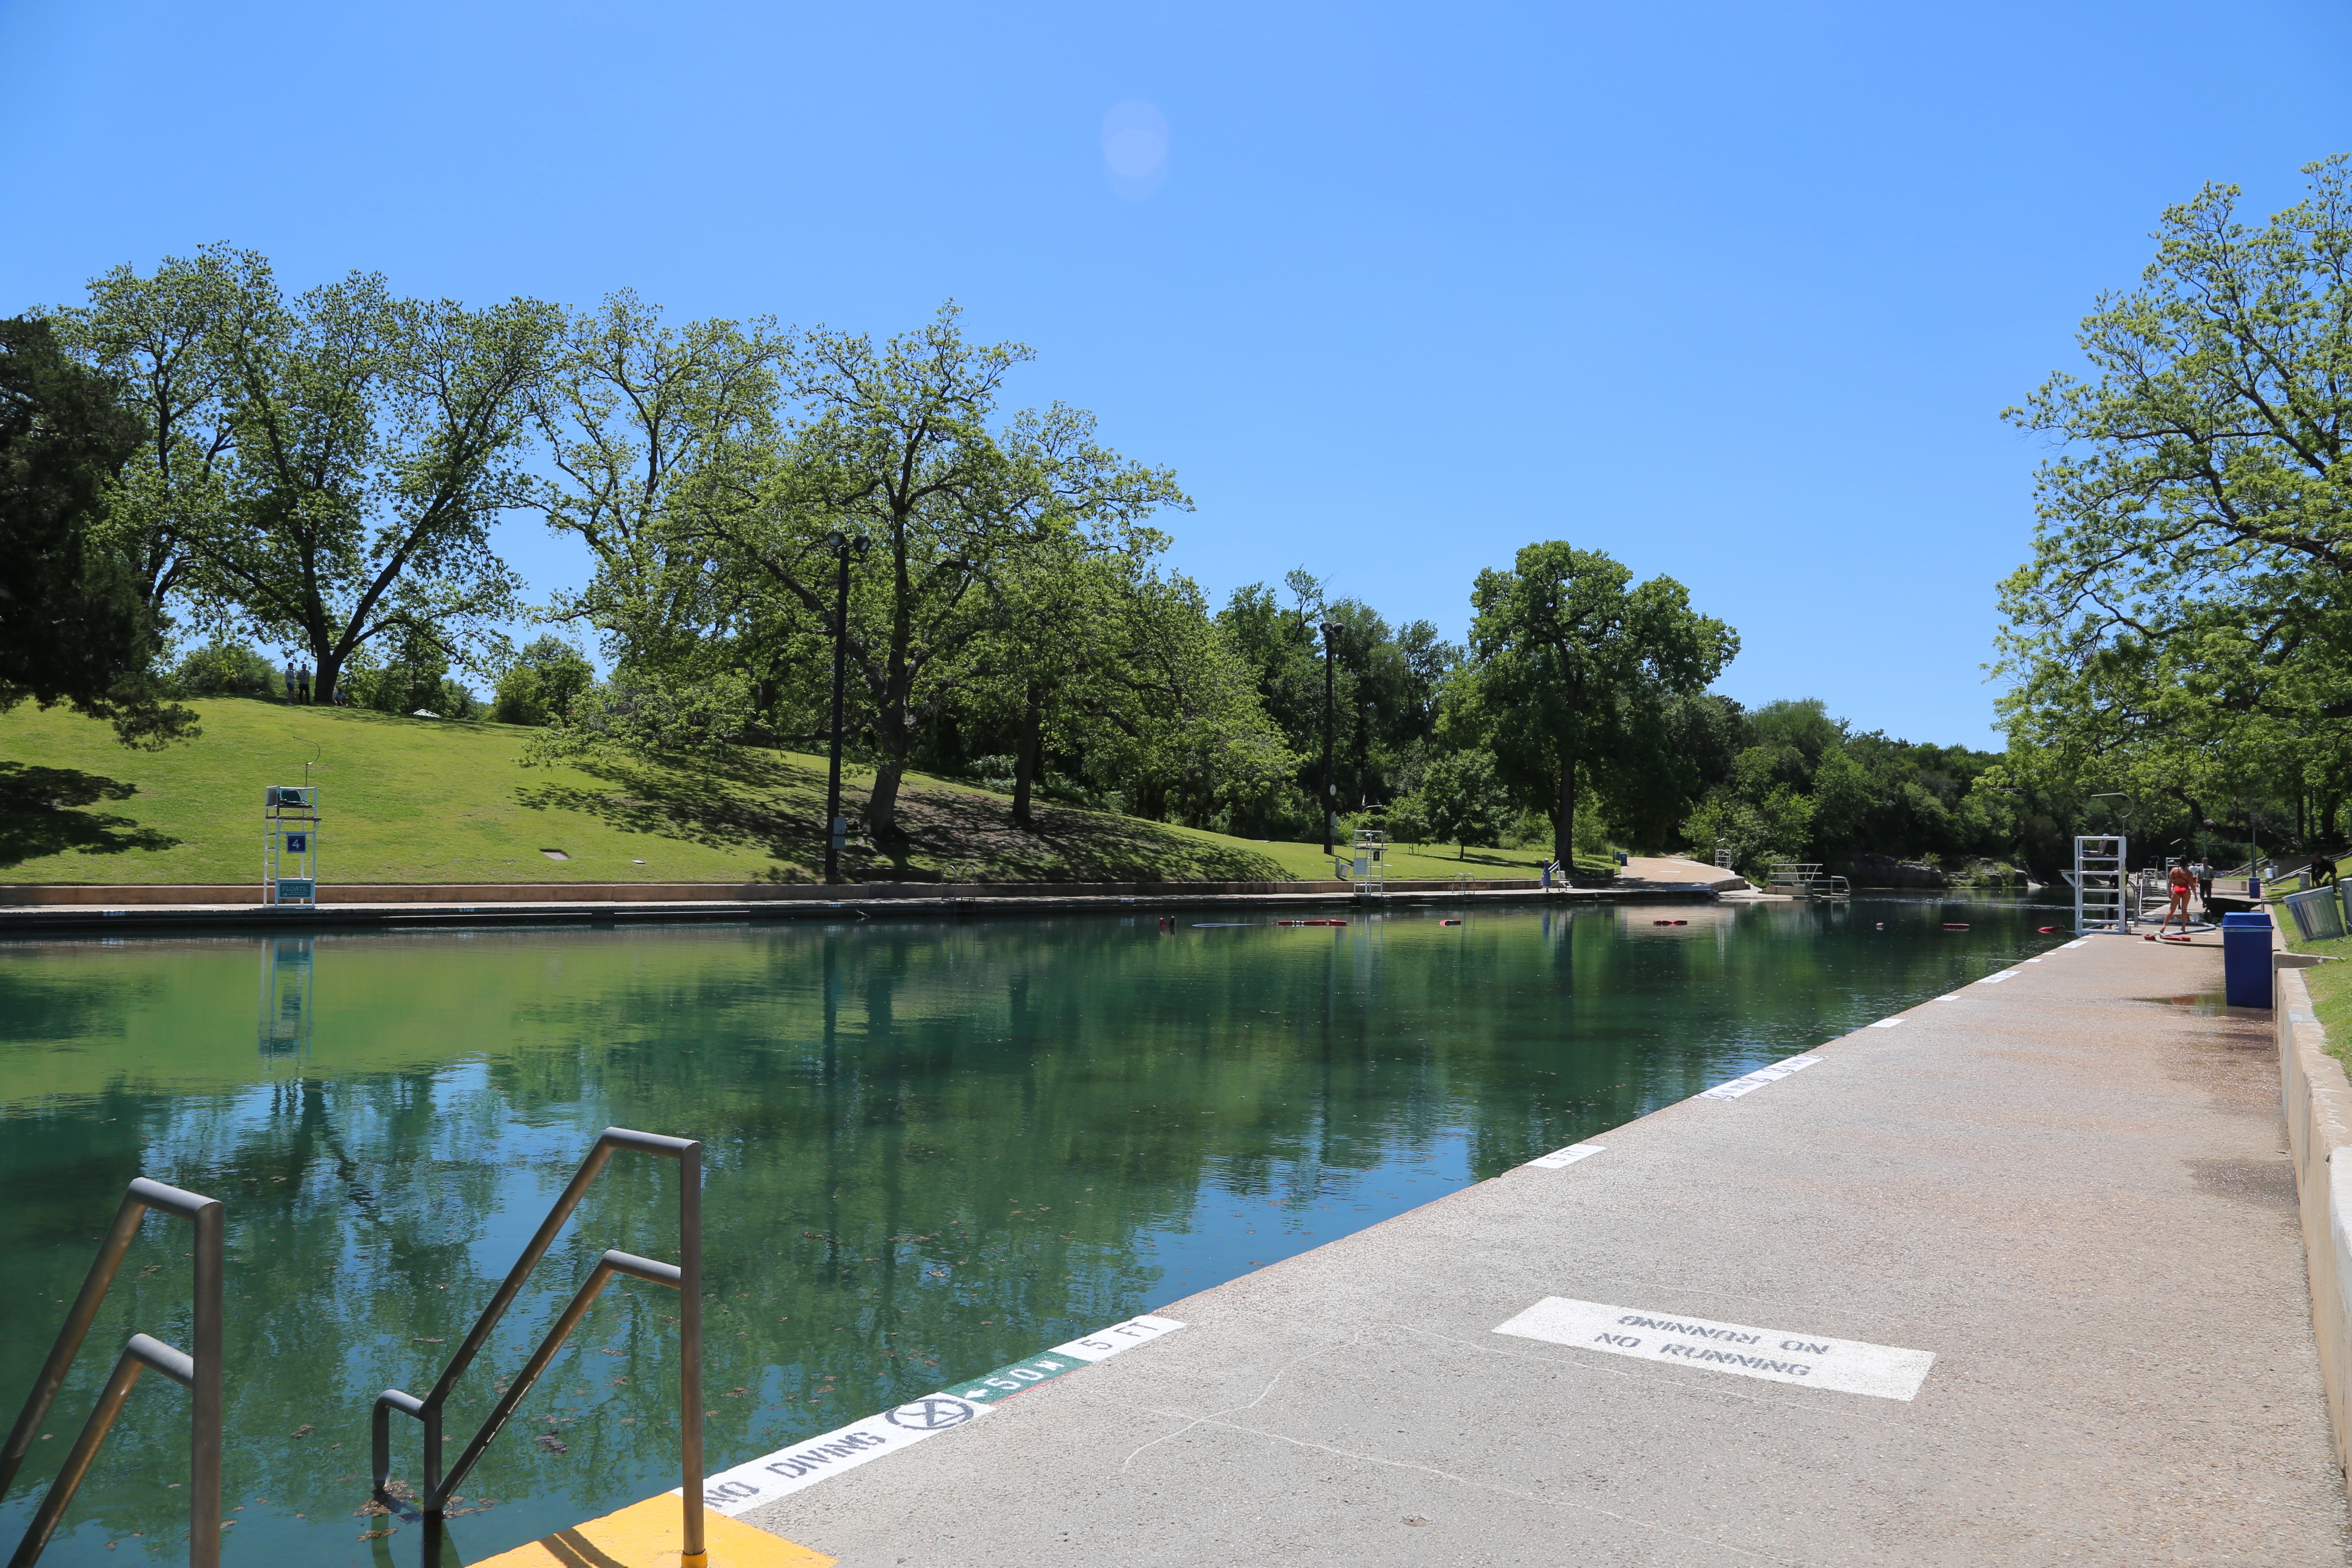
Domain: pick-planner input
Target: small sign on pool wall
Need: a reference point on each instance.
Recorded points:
(1777, 1355)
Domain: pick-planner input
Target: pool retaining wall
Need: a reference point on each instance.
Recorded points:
(116, 896)
(480, 906)
(2318, 1098)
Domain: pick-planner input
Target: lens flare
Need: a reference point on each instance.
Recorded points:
(1135, 148)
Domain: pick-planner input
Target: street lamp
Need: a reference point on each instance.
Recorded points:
(836, 827)
(1330, 787)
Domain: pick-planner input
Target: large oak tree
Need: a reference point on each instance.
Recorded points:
(1572, 668)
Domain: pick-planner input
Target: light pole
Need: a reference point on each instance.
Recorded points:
(837, 827)
(1330, 787)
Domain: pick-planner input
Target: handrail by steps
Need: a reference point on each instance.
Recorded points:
(200, 1373)
(686, 1276)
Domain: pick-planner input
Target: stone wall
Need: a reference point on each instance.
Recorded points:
(2317, 1099)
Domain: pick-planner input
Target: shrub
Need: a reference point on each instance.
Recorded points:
(225, 669)
(456, 700)
(543, 682)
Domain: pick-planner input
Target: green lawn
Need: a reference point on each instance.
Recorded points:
(419, 800)
(2331, 984)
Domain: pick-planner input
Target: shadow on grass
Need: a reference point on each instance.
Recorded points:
(41, 815)
(975, 833)
(757, 805)
(767, 806)
(1463, 858)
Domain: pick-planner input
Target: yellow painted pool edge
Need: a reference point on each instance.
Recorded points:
(649, 1534)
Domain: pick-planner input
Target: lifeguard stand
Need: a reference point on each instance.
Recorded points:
(289, 844)
(1370, 871)
(2098, 878)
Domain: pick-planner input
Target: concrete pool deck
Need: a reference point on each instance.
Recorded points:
(2065, 1183)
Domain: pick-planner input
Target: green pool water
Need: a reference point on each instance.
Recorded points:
(933, 1149)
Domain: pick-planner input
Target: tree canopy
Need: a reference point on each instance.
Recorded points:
(193, 453)
(1575, 666)
(74, 624)
(2184, 629)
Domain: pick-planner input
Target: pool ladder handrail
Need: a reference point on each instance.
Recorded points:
(685, 1277)
(200, 1373)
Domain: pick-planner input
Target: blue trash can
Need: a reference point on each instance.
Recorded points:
(2246, 959)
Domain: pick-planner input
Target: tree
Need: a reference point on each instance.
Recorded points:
(2183, 627)
(545, 681)
(1387, 682)
(1049, 662)
(73, 627)
(642, 420)
(1182, 728)
(158, 337)
(1574, 667)
(1461, 798)
(375, 444)
(897, 444)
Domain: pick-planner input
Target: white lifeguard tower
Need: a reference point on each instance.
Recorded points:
(1369, 871)
(2099, 875)
(289, 844)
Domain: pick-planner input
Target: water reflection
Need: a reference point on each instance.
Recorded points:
(285, 1010)
(932, 1149)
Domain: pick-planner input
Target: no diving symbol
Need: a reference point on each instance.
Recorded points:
(931, 1415)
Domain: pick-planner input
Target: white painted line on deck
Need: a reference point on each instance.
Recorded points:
(1997, 979)
(787, 1470)
(2078, 941)
(1886, 1023)
(1748, 1083)
(1777, 1355)
(1567, 1156)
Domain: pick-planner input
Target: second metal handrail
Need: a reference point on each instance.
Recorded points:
(200, 1373)
(686, 1276)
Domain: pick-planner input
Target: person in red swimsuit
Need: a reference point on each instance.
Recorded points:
(2182, 885)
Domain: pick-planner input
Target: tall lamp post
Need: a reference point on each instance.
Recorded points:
(836, 827)
(1330, 786)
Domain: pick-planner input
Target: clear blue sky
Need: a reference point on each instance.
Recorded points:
(1733, 292)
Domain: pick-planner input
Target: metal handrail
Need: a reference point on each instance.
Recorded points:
(200, 1373)
(686, 1276)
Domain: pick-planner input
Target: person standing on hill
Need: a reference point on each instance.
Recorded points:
(302, 684)
(290, 680)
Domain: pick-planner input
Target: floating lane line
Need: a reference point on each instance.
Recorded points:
(788, 1470)
(1776, 1355)
(1567, 1156)
(1748, 1083)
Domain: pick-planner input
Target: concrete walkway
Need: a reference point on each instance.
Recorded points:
(2066, 1189)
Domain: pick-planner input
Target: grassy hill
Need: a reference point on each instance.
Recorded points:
(419, 800)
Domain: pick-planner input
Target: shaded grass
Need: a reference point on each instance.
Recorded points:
(415, 800)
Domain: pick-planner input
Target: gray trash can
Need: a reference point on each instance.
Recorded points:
(2246, 959)
(2318, 913)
